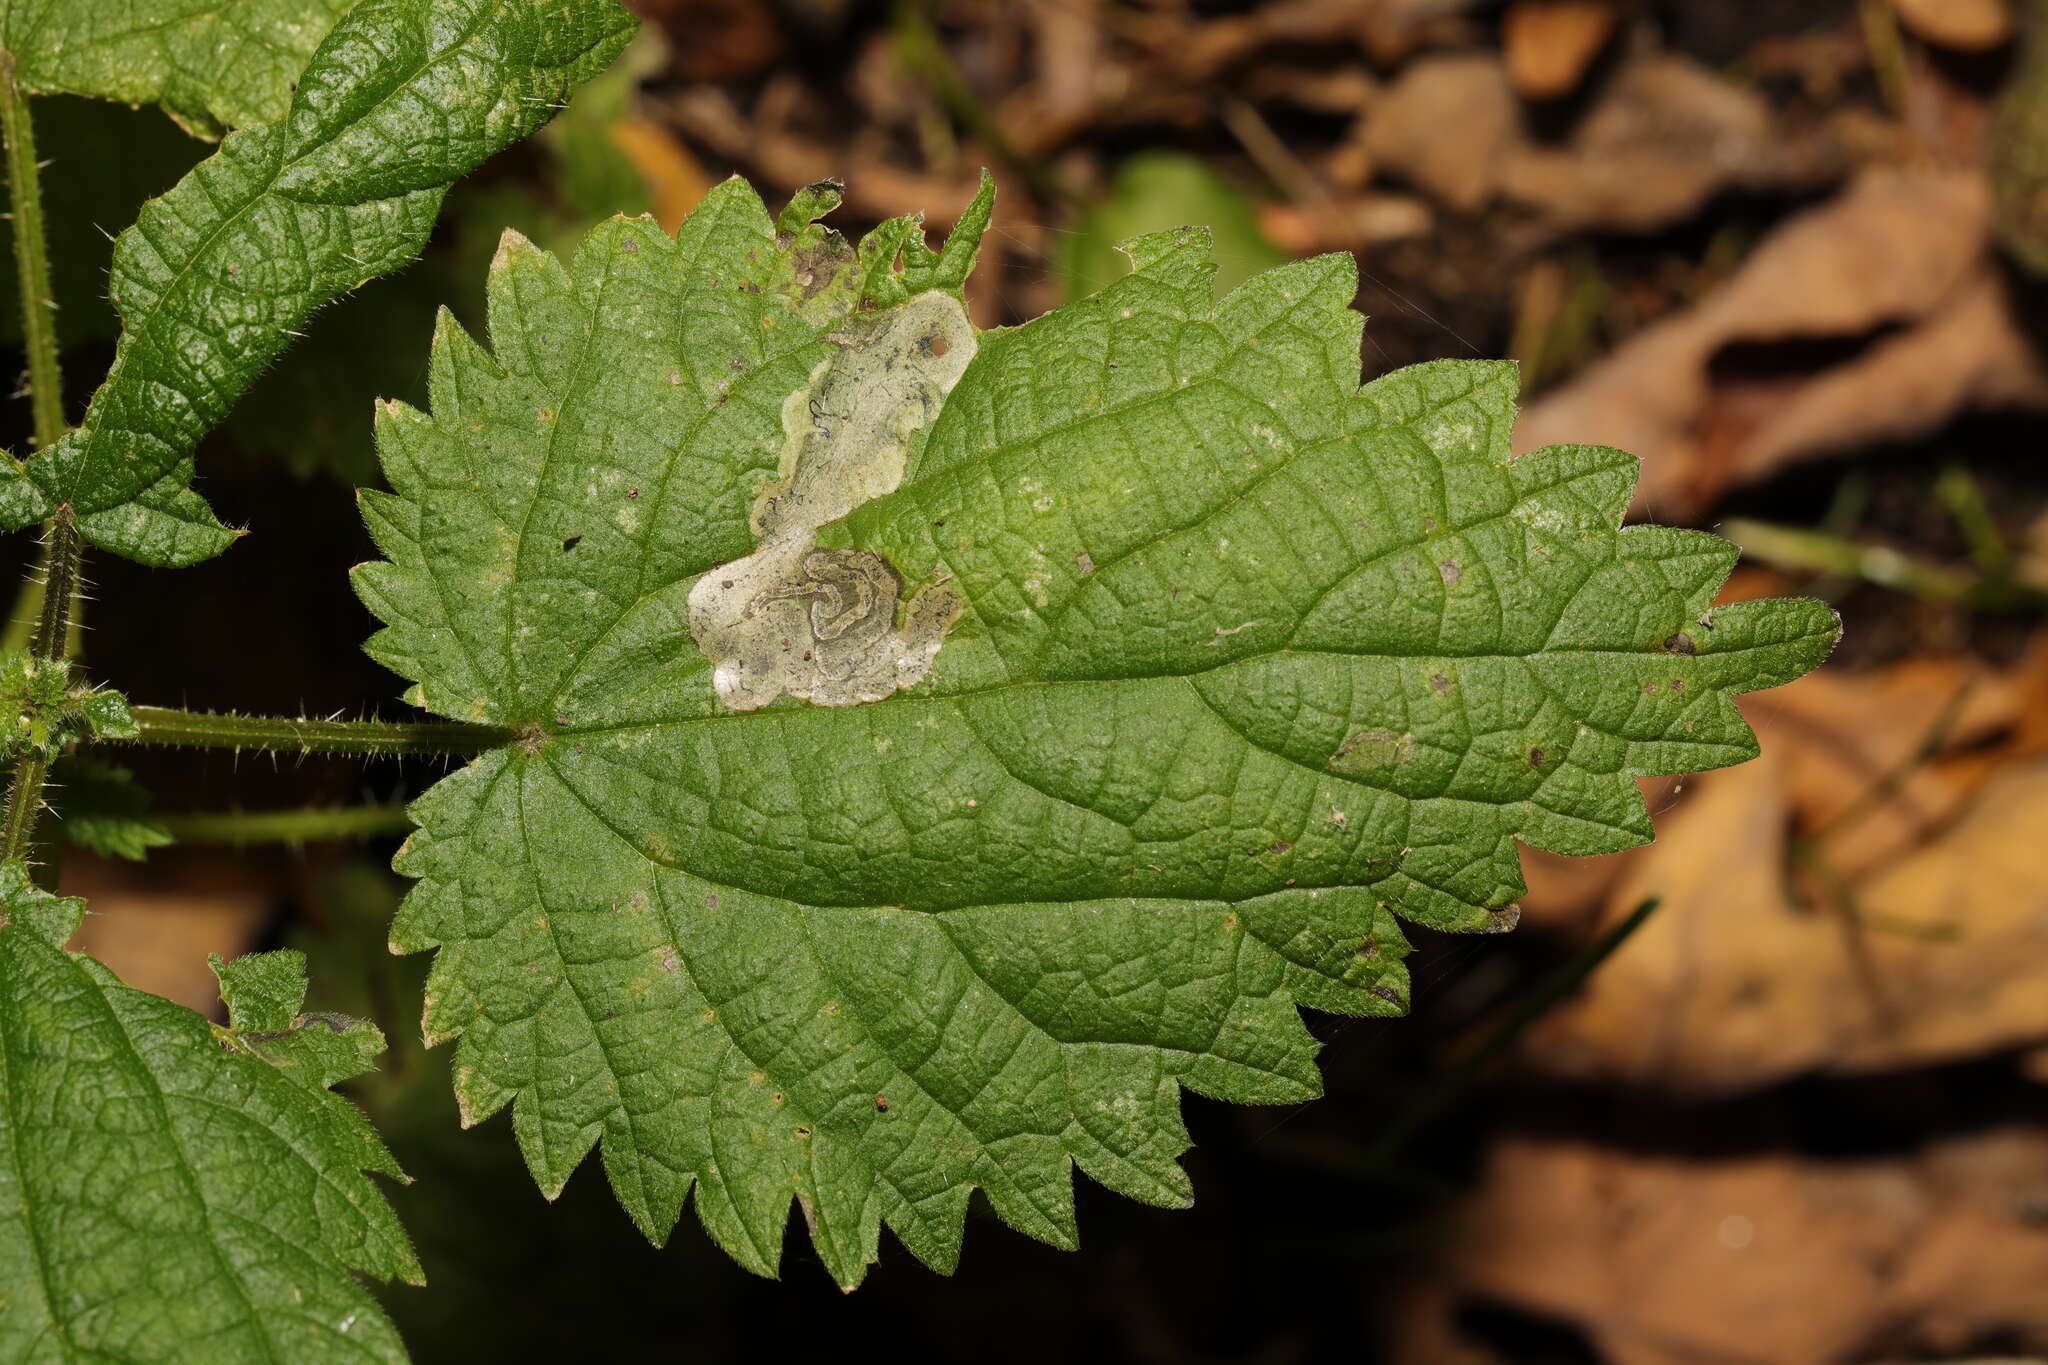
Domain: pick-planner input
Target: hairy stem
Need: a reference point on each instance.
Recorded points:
(51, 641)
(207, 730)
(31, 260)
(305, 826)
(58, 570)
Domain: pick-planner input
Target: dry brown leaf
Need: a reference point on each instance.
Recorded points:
(1389, 31)
(1352, 223)
(675, 182)
(1901, 249)
(1447, 124)
(1759, 1261)
(1661, 137)
(786, 160)
(1967, 25)
(1919, 932)
(1664, 135)
(1550, 43)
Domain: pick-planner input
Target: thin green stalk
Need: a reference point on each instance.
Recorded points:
(1881, 792)
(921, 52)
(24, 804)
(1793, 547)
(208, 730)
(31, 260)
(28, 602)
(1965, 502)
(1451, 1085)
(309, 825)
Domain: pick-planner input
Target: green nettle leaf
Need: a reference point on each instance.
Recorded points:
(174, 1191)
(936, 749)
(210, 63)
(215, 277)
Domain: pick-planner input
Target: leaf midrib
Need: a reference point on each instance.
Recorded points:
(92, 462)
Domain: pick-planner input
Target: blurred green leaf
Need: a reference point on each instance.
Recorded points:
(102, 808)
(1155, 192)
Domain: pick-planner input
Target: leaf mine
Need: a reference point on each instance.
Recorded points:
(820, 624)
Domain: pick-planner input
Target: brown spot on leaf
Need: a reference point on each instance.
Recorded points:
(1681, 643)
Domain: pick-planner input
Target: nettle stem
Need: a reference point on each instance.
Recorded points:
(306, 826)
(208, 730)
(59, 568)
(32, 260)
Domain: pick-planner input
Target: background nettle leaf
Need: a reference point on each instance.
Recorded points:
(174, 1191)
(1156, 671)
(211, 64)
(402, 97)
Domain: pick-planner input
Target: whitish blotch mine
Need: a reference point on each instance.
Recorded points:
(1369, 749)
(797, 619)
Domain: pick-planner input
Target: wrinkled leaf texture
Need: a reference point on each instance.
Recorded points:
(216, 276)
(1255, 664)
(173, 1192)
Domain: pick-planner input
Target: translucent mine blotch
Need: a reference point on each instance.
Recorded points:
(795, 619)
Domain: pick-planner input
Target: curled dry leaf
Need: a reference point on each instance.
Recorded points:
(1550, 43)
(1761, 1260)
(1965, 25)
(1896, 265)
(1908, 924)
(1661, 137)
(1448, 124)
